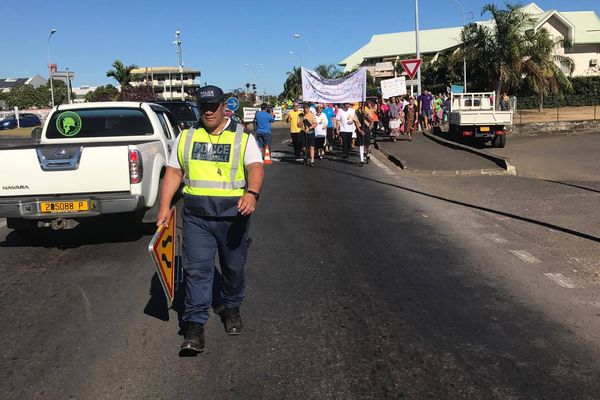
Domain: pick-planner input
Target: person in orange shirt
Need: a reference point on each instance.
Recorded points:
(374, 117)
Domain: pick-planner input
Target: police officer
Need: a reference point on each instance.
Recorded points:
(221, 167)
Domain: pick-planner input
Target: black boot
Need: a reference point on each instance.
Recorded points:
(233, 321)
(194, 340)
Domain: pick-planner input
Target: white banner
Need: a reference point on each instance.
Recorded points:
(250, 112)
(393, 87)
(349, 89)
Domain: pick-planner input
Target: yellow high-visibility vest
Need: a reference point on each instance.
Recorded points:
(213, 165)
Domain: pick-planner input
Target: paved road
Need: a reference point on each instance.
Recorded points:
(573, 158)
(361, 284)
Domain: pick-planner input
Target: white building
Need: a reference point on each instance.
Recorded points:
(80, 92)
(6, 84)
(166, 81)
(581, 27)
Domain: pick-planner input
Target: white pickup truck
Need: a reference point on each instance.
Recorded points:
(91, 159)
(472, 115)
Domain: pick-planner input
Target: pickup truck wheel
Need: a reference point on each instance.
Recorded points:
(499, 141)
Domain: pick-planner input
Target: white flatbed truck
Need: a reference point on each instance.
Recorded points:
(473, 116)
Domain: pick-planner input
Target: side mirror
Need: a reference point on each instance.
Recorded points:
(36, 133)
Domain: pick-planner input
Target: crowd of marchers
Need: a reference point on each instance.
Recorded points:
(318, 130)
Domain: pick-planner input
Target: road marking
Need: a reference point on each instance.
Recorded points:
(525, 256)
(277, 156)
(495, 238)
(2, 224)
(286, 141)
(562, 280)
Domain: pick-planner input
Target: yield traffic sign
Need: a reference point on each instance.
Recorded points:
(411, 66)
(162, 251)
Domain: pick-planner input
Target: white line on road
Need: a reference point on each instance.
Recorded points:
(493, 237)
(525, 256)
(562, 280)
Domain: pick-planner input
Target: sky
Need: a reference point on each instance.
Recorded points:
(231, 42)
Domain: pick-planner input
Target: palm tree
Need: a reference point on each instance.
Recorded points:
(543, 69)
(328, 71)
(502, 46)
(292, 88)
(511, 50)
(121, 73)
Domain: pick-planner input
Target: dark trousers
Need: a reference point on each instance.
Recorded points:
(346, 142)
(296, 142)
(203, 238)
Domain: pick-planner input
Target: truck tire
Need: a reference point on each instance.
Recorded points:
(499, 141)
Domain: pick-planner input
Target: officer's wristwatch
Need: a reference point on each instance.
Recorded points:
(253, 193)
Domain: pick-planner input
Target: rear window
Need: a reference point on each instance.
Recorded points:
(99, 122)
(183, 112)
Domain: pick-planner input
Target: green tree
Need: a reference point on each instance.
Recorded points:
(137, 93)
(60, 92)
(22, 96)
(102, 93)
(502, 54)
(441, 70)
(328, 71)
(292, 87)
(121, 73)
(542, 68)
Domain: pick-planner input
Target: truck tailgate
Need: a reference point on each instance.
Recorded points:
(50, 170)
(483, 118)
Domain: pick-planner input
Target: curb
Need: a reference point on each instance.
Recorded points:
(502, 162)
(391, 157)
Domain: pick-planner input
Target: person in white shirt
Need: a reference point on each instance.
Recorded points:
(320, 131)
(346, 127)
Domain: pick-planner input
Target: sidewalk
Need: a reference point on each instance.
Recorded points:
(424, 155)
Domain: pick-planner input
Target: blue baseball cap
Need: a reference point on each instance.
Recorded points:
(209, 94)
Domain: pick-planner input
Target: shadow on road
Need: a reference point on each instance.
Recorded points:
(480, 208)
(97, 231)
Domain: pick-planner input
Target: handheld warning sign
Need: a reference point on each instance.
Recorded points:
(162, 251)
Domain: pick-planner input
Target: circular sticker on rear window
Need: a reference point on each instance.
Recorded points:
(68, 123)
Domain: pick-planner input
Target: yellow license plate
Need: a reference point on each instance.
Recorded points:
(484, 129)
(64, 206)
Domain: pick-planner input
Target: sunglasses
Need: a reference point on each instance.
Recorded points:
(205, 107)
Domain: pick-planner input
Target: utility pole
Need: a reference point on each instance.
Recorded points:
(462, 10)
(68, 87)
(178, 43)
(50, 66)
(417, 45)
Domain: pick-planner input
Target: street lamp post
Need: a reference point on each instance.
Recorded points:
(50, 67)
(178, 43)
(417, 45)
(298, 36)
(68, 86)
(462, 10)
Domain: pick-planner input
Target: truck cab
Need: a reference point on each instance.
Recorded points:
(473, 117)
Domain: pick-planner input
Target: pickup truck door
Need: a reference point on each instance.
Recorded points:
(168, 129)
